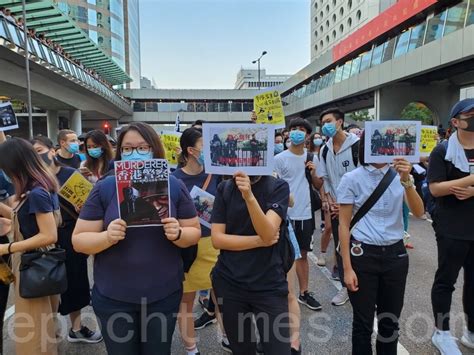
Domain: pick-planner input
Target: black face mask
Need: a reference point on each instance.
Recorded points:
(470, 124)
(46, 158)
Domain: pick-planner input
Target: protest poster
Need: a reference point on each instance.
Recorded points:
(76, 190)
(204, 202)
(142, 191)
(230, 147)
(428, 140)
(8, 120)
(170, 141)
(269, 109)
(386, 140)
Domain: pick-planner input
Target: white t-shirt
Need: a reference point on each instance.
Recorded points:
(291, 168)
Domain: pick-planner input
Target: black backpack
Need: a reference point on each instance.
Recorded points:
(429, 200)
(355, 153)
(284, 245)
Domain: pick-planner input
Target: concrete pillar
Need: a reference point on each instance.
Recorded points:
(76, 121)
(52, 125)
(113, 127)
(391, 100)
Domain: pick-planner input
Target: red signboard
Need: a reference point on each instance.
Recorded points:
(387, 20)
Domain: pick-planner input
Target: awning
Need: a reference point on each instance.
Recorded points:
(45, 17)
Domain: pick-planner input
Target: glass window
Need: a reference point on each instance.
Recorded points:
(151, 107)
(38, 49)
(213, 107)
(163, 107)
(347, 70)
(236, 107)
(15, 38)
(416, 37)
(455, 18)
(190, 107)
(339, 71)
(2, 29)
(402, 44)
(377, 55)
(178, 106)
(470, 14)
(435, 27)
(201, 107)
(223, 107)
(355, 66)
(139, 107)
(388, 52)
(247, 106)
(92, 17)
(365, 61)
(331, 76)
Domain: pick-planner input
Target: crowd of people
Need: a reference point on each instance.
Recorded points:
(7, 14)
(249, 270)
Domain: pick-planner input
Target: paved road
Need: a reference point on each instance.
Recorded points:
(328, 332)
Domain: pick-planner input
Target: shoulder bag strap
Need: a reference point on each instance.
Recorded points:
(374, 197)
(206, 183)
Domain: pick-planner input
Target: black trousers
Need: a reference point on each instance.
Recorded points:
(239, 309)
(335, 233)
(453, 255)
(382, 274)
(3, 295)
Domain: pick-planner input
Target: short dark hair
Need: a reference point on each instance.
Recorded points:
(62, 135)
(301, 122)
(278, 134)
(337, 113)
(188, 139)
(362, 149)
(198, 123)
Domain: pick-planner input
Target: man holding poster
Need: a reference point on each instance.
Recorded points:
(269, 109)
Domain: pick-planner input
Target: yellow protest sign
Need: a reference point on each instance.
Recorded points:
(428, 140)
(76, 190)
(269, 108)
(172, 148)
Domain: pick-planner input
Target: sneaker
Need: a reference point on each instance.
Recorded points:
(335, 273)
(259, 347)
(204, 302)
(309, 301)
(340, 298)
(296, 352)
(321, 260)
(85, 335)
(468, 339)
(226, 347)
(204, 320)
(445, 343)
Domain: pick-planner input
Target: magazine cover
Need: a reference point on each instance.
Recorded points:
(204, 202)
(386, 140)
(8, 120)
(230, 147)
(142, 191)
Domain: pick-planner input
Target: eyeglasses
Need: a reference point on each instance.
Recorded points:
(142, 150)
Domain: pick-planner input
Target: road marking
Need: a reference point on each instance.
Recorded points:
(9, 312)
(401, 350)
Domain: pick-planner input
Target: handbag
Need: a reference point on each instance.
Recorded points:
(316, 202)
(42, 271)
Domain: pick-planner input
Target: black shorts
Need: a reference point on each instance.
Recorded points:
(304, 233)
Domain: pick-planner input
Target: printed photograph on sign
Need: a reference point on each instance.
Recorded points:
(238, 147)
(142, 191)
(428, 140)
(170, 141)
(386, 140)
(204, 202)
(8, 120)
(76, 190)
(269, 109)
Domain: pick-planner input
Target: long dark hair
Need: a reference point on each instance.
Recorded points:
(99, 138)
(362, 149)
(24, 166)
(148, 134)
(188, 139)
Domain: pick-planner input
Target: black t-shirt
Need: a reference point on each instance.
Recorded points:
(452, 216)
(254, 270)
(74, 162)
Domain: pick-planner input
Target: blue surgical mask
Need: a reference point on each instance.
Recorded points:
(7, 178)
(95, 152)
(329, 129)
(135, 156)
(200, 159)
(318, 142)
(73, 148)
(297, 137)
(278, 148)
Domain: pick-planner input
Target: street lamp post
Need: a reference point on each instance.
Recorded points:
(258, 61)
(27, 67)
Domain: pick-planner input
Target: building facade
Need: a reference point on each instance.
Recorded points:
(114, 26)
(334, 20)
(248, 79)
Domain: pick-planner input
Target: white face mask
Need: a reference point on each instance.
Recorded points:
(288, 143)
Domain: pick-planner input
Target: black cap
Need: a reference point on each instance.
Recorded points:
(462, 106)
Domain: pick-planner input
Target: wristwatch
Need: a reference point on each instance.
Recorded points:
(409, 183)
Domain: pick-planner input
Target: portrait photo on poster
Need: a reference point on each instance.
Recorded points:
(231, 147)
(8, 120)
(143, 191)
(386, 140)
(204, 202)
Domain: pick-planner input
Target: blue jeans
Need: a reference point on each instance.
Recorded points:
(130, 328)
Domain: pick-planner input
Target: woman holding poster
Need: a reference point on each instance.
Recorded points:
(371, 241)
(138, 270)
(203, 188)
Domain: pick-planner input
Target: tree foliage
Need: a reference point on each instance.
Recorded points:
(418, 112)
